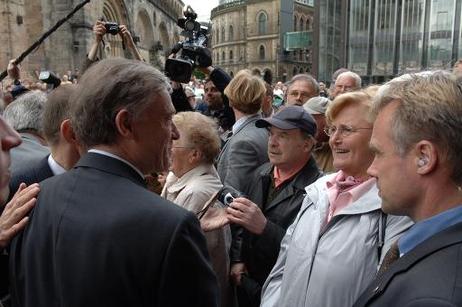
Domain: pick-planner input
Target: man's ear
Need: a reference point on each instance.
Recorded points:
(67, 131)
(309, 144)
(124, 123)
(426, 157)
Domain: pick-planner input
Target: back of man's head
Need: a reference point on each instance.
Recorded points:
(246, 92)
(25, 113)
(106, 88)
(56, 111)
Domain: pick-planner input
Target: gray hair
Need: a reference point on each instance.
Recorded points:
(105, 89)
(430, 109)
(307, 78)
(25, 113)
(352, 75)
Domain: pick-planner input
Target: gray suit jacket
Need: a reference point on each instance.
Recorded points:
(242, 153)
(30, 151)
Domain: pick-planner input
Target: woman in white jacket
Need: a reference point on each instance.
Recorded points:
(332, 250)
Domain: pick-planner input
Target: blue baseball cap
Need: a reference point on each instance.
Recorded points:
(290, 117)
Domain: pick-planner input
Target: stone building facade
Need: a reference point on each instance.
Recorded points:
(151, 22)
(269, 37)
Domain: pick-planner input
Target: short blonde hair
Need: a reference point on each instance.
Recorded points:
(200, 132)
(245, 92)
(360, 98)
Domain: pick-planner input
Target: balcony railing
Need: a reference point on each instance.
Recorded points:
(297, 40)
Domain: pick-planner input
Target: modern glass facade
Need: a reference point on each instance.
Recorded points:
(386, 38)
(330, 37)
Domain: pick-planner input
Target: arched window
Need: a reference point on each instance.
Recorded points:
(295, 23)
(294, 71)
(222, 34)
(262, 20)
(218, 37)
(261, 52)
(223, 56)
(231, 56)
(308, 24)
(231, 74)
(231, 33)
(302, 25)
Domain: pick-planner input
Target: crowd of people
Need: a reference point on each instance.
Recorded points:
(128, 189)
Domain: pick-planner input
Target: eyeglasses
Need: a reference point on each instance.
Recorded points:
(343, 130)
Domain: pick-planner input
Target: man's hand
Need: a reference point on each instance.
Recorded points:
(126, 36)
(214, 218)
(99, 30)
(13, 218)
(13, 70)
(247, 214)
(237, 269)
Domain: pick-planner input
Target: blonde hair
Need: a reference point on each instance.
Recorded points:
(360, 98)
(245, 92)
(429, 108)
(200, 132)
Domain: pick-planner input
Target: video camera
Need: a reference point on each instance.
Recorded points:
(50, 78)
(194, 50)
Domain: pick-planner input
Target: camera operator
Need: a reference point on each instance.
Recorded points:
(99, 29)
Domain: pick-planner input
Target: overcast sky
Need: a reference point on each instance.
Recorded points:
(202, 8)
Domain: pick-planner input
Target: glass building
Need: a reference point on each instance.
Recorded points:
(385, 38)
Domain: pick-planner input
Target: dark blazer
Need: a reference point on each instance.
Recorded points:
(32, 172)
(260, 252)
(428, 275)
(98, 237)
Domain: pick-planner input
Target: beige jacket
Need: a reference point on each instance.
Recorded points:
(191, 192)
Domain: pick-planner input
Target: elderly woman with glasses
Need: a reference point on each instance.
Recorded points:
(193, 180)
(334, 247)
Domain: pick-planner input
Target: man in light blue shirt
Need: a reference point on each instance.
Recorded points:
(416, 140)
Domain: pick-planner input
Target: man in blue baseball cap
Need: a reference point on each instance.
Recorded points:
(274, 199)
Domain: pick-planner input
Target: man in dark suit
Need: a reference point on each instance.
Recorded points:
(416, 140)
(277, 192)
(59, 135)
(97, 236)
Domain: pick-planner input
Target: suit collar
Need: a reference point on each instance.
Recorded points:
(444, 239)
(248, 120)
(110, 165)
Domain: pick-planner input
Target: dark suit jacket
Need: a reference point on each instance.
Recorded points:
(260, 252)
(98, 237)
(32, 172)
(428, 275)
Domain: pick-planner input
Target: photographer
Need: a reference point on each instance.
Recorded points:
(99, 29)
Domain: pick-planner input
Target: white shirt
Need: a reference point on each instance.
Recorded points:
(56, 169)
